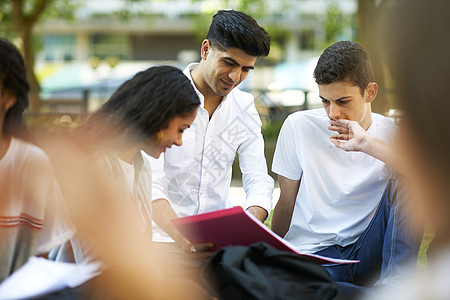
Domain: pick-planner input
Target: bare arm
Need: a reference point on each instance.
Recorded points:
(357, 139)
(258, 212)
(282, 213)
(162, 214)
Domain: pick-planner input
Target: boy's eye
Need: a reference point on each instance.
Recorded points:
(325, 101)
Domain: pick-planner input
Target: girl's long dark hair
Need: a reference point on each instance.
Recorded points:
(139, 108)
(14, 78)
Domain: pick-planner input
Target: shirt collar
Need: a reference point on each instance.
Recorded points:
(187, 71)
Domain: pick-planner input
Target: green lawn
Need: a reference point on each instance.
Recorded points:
(422, 259)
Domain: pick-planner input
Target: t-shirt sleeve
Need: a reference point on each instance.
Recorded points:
(58, 227)
(286, 157)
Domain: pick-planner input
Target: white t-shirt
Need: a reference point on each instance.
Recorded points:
(128, 177)
(33, 215)
(134, 182)
(339, 191)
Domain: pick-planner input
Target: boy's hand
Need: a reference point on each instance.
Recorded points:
(349, 131)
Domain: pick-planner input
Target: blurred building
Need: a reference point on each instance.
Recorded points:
(98, 45)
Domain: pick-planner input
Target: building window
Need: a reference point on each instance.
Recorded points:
(308, 39)
(106, 45)
(58, 47)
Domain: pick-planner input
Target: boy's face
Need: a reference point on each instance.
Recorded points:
(224, 70)
(342, 100)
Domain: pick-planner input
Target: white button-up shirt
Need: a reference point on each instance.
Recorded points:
(195, 177)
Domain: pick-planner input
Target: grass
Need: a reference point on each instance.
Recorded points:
(268, 221)
(422, 258)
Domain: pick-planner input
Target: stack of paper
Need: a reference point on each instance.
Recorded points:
(40, 276)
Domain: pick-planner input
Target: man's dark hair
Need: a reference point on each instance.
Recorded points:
(13, 78)
(234, 29)
(344, 61)
(140, 107)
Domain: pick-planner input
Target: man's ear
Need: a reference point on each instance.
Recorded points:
(206, 49)
(371, 92)
(8, 99)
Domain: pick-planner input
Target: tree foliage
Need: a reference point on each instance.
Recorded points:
(18, 19)
(334, 24)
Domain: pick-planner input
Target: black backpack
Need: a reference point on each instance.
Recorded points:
(262, 272)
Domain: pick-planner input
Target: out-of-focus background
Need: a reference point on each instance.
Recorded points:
(79, 52)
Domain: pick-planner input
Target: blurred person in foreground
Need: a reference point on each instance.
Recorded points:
(107, 182)
(420, 68)
(32, 210)
(335, 203)
(195, 178)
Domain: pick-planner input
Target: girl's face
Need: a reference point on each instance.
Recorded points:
(169, 136)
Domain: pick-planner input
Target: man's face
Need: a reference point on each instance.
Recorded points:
(343, 100)
(224, 70)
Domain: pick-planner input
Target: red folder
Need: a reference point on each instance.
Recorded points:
(234, 226)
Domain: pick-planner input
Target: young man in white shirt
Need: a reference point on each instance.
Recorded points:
(338, 203)
(195, 178)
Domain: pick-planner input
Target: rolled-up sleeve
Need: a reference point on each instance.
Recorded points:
(258, 185)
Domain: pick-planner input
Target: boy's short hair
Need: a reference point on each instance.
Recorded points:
(344, 61)
(235, 29)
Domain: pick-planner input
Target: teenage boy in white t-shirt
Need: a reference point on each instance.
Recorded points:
(330, 199)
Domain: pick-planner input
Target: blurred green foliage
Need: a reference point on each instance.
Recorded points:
(271, 129)
(334, 24)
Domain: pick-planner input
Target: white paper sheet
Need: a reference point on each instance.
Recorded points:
(40, 276)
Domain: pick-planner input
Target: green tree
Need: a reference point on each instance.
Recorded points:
(18, 19)
(334, 24)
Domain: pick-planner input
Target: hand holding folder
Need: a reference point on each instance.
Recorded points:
(234, 226)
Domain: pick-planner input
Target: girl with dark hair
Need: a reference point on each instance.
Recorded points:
(148, 112)
(30, 198)
(107, 181)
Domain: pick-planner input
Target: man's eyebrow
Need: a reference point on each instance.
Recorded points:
(229, 59)
(339, 99)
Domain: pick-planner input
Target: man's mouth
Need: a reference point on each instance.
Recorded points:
(227, 85)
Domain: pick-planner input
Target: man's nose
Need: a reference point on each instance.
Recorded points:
(235, 75)
(335, 111)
